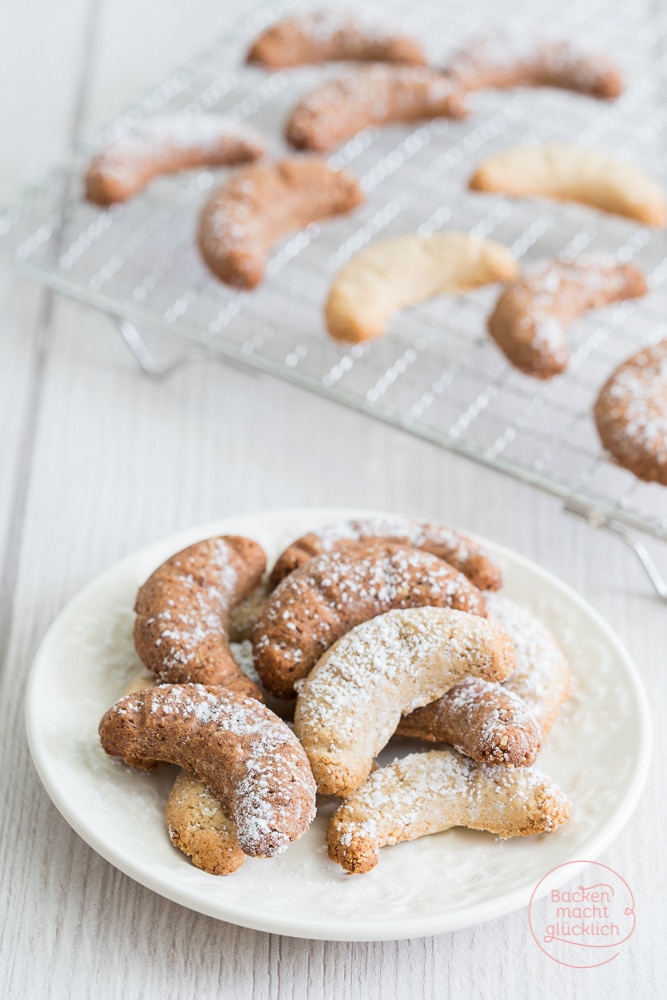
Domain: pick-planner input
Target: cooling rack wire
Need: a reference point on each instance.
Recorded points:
(435, 374)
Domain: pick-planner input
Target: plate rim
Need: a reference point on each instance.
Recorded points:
(329, 929)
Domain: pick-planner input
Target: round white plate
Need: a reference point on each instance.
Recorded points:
(598, 752)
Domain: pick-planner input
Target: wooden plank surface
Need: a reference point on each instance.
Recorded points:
(97, 461)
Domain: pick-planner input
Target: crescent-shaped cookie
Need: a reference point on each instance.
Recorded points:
(502, 723)
(245, 754)
(374, 95)
(201, 827)
(460, 551)
(430, 792)
(631, 414)
(183, 609)
(327, 36)
(507, 60)
(350, 704)
(246, 216)
(574, 173)
(393, 274)
(330, 594)
(530, 320)
(165, 145)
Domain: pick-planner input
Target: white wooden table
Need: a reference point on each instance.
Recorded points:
(97, 461)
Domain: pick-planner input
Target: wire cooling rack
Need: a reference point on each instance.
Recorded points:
(435, 374)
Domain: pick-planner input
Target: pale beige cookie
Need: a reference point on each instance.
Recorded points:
(183, 609)
(375, 95)
(430, 792)
(531, 317)
(201, 827)
(350, 704)
(502, 723)
(165, 145)
(337, 590)
(516, 59)
(574, 173)
(631, 414)
(460, 551)
(328, 35)
(393, 274)
(246, 755)
(246, 216)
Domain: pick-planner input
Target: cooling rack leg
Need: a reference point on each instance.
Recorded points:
(147, 362)
(598, 520)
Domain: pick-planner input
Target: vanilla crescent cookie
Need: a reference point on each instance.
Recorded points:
(374, 95)
(165, 145)
(337, 590)
(481, 719)
(246, 755)
(247, 215)
(509, 722)
(201, 827)
(350, 704)
(427, 793)
(574, 173)
(516, 59)
(393, 274)
(631, 414)
(183, 609)
(328, 35)
(460, 551)
(530, 319)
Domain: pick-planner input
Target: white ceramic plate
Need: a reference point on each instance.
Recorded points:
(598, 752)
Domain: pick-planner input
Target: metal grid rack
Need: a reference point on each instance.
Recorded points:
(435, 374)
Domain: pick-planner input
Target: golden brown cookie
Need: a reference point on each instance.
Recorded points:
(246, 216)
(374, 95)
(328, 35)
(460, 551)
(508, 722)
(574, 173)
(530, 319)
(245, 754)
(631, 414)
(337, 590)
(245, 614)
(183, 609)
(426, 793)
(350, 704)
(166, 145)
(517, 60)
(481, 719)
(201, 827)
(391, 275)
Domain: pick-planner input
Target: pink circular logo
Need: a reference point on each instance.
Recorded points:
(583, 923)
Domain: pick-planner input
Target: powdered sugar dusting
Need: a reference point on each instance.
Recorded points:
(633, 408)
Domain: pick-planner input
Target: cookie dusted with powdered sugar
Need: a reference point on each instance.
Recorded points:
(519, 60)
(245, 755)
(201, 826)
(460, 551)
(330, 35)
(631, 414)
(350, 704)
(430, 792)
(531, 317)
(165, 145)
(337, 590)
(502, 723)
(374, 95)
(183, 609)
(247, 215)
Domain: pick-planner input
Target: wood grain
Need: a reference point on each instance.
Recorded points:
(97, 461)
